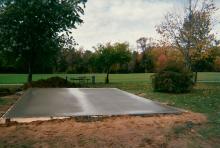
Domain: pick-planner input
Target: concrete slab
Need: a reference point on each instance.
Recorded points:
(70, 102)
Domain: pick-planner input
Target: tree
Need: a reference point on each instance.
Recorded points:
(147, 61)
(33, 31)
(135, 63)
(61, 63)
(191, 34)
(88, 61)
(204, 61)
(217, 64)
(161, 62)
(145, 43)
(110, 55)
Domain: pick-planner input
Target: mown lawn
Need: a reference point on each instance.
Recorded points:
(5, 104)
(22, 78)
(114, 78)
(6, 101)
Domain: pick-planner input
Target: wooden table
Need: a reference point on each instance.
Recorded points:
(81, 79)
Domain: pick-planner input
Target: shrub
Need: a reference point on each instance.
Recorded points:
(173, 79)
(53, 82)
(217, 64)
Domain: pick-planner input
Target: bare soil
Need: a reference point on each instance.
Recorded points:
(127, 131)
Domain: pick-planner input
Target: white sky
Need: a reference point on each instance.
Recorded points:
(125, 20)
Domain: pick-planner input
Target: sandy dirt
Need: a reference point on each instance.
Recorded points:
(128, 131)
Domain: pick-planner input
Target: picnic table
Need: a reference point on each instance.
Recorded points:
(83, 79)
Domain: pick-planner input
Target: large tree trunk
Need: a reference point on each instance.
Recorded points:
(29, 73)
(107, 77)
(196, 77)
(188, 61)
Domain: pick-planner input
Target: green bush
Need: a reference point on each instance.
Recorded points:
(53, 82)
(173, 78)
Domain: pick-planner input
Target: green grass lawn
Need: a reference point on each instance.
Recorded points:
(114, 78)
(7, 101)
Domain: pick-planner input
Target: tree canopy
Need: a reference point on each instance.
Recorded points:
(33, 31)
(109, 55)
(191, 33)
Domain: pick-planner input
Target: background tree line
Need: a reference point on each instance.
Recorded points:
(149, 58)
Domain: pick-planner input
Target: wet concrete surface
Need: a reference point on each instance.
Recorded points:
(67, 102)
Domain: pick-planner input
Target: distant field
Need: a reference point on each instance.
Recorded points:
(114, 78)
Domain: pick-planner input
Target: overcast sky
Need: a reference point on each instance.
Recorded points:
(124, 20)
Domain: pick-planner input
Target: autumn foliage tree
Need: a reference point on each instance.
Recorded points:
(192, 33)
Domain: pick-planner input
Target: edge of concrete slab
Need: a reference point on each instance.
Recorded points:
(28, 120)
(84, 118)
